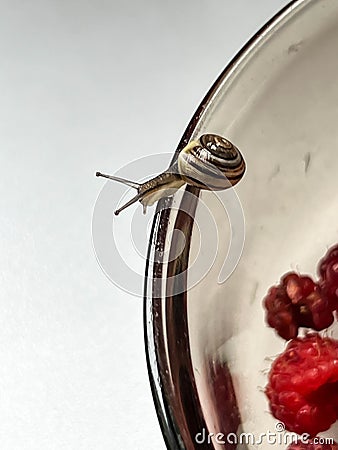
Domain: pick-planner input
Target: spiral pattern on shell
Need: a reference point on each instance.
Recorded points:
(212, 162)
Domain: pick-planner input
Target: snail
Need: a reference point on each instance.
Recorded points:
(211, 162)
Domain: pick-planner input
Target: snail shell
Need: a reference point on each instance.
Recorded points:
(211, 162)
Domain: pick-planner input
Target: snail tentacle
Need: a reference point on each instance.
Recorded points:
(132, 184)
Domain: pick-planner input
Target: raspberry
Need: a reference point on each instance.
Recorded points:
(328, 273)
(297, 302)
(303, 385)
(330, 256)
(312, 445)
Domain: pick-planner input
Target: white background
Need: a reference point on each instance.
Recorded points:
(88, 86)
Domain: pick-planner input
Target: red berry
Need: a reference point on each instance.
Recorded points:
(303, 385)
(297, 302)
(312, 445)
(331, 255)
(328, 272)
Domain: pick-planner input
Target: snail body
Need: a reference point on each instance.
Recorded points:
(211, 162)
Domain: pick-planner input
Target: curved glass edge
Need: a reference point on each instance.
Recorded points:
(174, 433)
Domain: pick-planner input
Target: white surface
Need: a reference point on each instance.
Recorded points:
(76, 79)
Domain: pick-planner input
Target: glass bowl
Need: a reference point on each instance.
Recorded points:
(208, 347)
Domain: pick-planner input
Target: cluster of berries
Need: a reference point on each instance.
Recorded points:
(303, 380)
(298, 301)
